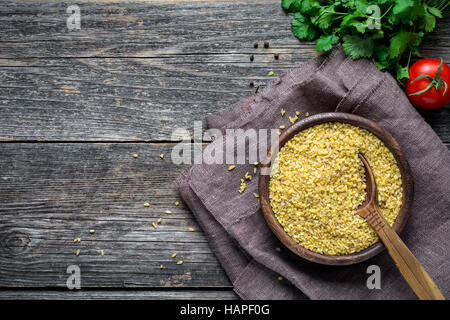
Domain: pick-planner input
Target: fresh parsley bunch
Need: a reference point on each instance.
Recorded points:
(389, 31)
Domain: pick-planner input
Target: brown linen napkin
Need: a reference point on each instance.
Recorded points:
(234, 224)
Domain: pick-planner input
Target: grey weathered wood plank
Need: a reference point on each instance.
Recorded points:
(136, 71)
(53, 193)
(172, 294)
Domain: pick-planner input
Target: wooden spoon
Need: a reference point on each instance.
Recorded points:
(411, 269)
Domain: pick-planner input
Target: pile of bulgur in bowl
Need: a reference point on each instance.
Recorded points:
(317, 183)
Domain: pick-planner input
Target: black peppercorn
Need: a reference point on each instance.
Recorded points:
(255, 45)
(252, 84)
(276, 56)
(252, 58)
(266, 44)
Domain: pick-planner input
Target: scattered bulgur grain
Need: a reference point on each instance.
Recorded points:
(78, 252)
(92, 231)
(247, 176)
(135, 155)
(282, 127)
(161, 267)
(282, 112)
(159, 220)
(254, 170)
(191, 229)
(278, 249)
(154, 225)
(292, 120)
(174, 255)
(177, 203)
(180, 262)
(323, 162)
(256, 195)
(161, 155)
(146, 204)
(280, 278)
(77, 240)
(297, 113)
(278, 133)
(242, 186)
(255, 163)
(266, 44)
(168, 212)
(271, 73)
(231, 167)
(307, 114)
(102, 253)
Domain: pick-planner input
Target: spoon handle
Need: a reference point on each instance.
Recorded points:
(411, 269)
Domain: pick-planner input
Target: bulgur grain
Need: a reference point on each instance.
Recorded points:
(317, 183)
(292, 120)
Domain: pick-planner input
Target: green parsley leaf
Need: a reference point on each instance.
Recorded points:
(325, 42)
(402, 6)
(434, 11)
(429, 22)
(291, 5)
(402, 72)
(358, 47)
(381, 53)
(325, 18)
(400, 42)
(302, 28)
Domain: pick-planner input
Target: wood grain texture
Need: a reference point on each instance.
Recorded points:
(173, 294)
(53, 193)
(135, 71)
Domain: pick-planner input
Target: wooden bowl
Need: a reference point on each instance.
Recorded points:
(393, 146)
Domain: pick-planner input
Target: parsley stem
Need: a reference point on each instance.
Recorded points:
(445, 6)
(389, 9)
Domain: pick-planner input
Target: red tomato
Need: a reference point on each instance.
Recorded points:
(433, 97)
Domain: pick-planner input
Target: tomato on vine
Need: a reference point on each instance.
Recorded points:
(428, 84)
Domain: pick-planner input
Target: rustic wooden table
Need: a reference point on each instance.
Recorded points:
(76, 105)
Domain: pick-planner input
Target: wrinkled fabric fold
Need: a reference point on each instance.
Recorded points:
(233, 222)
